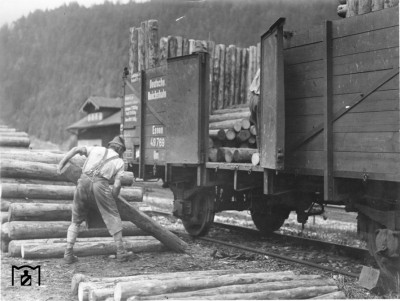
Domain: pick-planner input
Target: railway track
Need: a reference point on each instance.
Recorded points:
(344, 251)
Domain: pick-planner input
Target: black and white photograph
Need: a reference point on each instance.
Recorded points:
(199, 150)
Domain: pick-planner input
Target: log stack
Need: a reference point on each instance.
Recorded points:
(351, 8)
(233, 138)
(12, 138)
(206, 285)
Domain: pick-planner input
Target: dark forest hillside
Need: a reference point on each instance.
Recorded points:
(51, 61)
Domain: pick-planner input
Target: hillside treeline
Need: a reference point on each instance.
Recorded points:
(52, 61)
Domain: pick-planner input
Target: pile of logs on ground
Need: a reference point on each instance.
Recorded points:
(232, 136)
(206, 285)
(36, 209)
(350, 8)
(11, 138)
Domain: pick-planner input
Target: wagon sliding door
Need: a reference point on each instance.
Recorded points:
(187, 89)
(272, 123)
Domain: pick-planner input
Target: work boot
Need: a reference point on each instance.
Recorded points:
(123, 255)
(69, 256)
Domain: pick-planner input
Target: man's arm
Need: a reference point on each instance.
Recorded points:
(116, 188)
(76, 150)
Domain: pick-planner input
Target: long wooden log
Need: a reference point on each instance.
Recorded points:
(14, 141)
(4, 205)
(253, 130)
(152, 227)
(232, 109)
(287, 294)
(238, 126)
(229, 116)
(34, 181)
(223, 124)
(19, 230)
(331, 296)
(13, 134)
(7, 129)
(123, 290)
(300, 281)
(29, 165)
(39, 212)
(243, 155)
(87, 248)
(82, 284)
(221, 80)
(243, 76)
(9, 201)
(57, 192)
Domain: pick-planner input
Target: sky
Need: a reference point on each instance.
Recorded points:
(12, 10)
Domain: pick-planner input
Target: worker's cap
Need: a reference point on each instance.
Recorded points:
(118, 140)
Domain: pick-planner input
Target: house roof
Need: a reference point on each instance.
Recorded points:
(113, 119)
(101, 102)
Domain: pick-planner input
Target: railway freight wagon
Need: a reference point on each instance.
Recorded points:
(328, 132)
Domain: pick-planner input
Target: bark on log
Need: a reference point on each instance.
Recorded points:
(152, 227)
(229, 116)
(13, 134)
(215, 77)
(352, 8)
(14, 141)
(57, 192)
(288, 294)
(377, 5)
(300, 281)
(123, 290)
(39, 212)
(255, 159)
(35, 201)
(238, 72)
(153, 43)
(133, 51)
(19, 230)
(83, 249)
(82, 284)
(4, 217)
(226, 154)
(223, 124)
(217, 134)
(331, 296)
(234, 109)
(243, 155)
(243, 135)
(33, 181)
(4, 205)
(252, 140)
(364, 6)
(39, 156)
(232, 90)
(243, 76)
(221, 76)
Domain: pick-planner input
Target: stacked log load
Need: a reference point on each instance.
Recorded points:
(351, 8)
(36, 209)
(206, 285)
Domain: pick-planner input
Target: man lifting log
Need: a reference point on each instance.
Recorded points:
(94, 200)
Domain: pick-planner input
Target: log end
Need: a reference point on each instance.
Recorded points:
(76, 279)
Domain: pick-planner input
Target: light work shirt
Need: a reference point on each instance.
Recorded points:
(111, 169)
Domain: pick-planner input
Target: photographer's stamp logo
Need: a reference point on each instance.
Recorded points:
(25, 275)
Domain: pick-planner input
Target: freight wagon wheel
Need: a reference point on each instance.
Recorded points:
(270, 220)
(390, 267)
(203, 215)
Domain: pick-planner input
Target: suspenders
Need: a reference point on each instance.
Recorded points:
(95, 170)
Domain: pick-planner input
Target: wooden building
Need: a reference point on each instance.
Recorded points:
(102, 122)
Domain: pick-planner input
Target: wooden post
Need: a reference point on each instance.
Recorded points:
(221, 81)
(141, 50)
(185, 46)
(145, 27)
(364, 6)
(163, 52)
(153, 47)
(352, 8)
(133, 51)
(238, 74)
(192, 45)
(179, 46)
(215, 74)
(232, 56)
(172, 46)
(377, 5)
(227, 77)
(243, 76)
